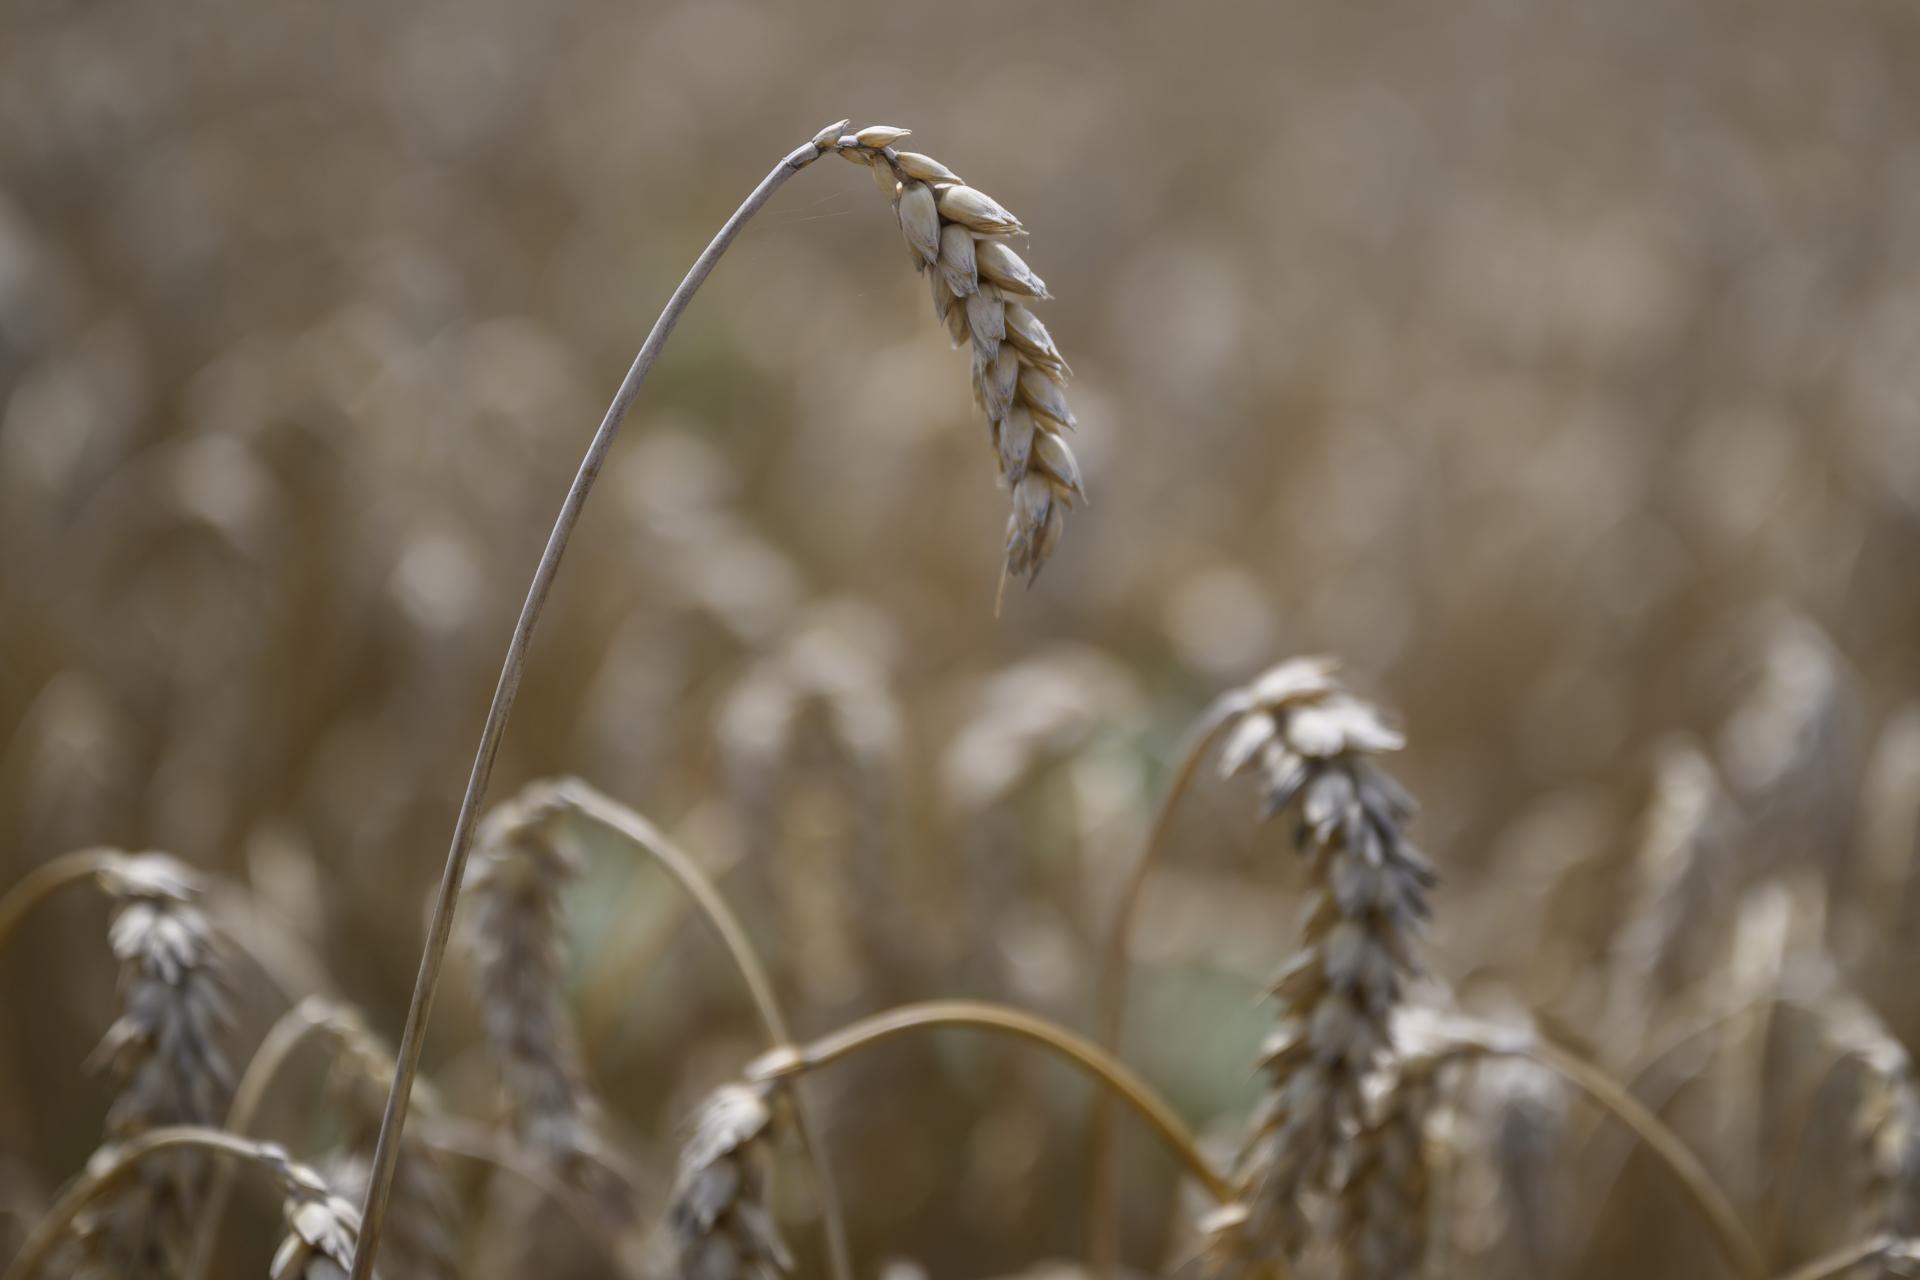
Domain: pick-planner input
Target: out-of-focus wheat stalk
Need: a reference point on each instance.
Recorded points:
(1115, 966)
(958, 237)
(582, 799)
(1312, 745)
(44, 880)
(164, 1050)
(115, 1164)
(1109, 1071)
(514, 936)
(721, 1214)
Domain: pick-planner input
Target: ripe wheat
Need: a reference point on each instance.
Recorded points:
(981, 290)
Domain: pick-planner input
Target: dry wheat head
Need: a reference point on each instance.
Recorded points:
(164, 1052)
(982, 291)
(721, 1215)
(322, 1231)
(1312, 746)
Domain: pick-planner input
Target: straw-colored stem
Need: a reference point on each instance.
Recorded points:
(1841, 1261)
(1115, 968)
(1089, 1057)
(48, 878)
(386, 1151)
(96, 1182)
(1734, 1241)
(275, 1048)
(733, 935)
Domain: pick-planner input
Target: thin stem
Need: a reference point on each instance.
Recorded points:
(275, 1048)
(1103, 1243)
(713, 904)
(44, 880)
(1737, 1246)
(1089, 1057)
(96, 1182)
(386, 1151)
(1841, 1261)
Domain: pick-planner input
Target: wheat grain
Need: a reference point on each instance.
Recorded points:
(322, 1231)
(515, 880)
(720, 1215)
(1312, 745)
(164, 1051)
(980, 286)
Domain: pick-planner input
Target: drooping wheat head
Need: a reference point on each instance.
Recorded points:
(164, 1052)
(1312, 746)
(981, 290)
(721, 1215)
(514, 940)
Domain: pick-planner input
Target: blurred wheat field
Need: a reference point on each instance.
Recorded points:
(1552, 365)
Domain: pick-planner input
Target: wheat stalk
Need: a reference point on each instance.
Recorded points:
(514, 940)
(1034, 528)
(163, 1050)
(116, 1164)
(721, 1215)
(981, 287)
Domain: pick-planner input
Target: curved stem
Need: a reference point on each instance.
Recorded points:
(1841, 1261)
(96, 1182)
(44, 880)
(386, 1151)
(275, 1048)
(1110, 1020)
(733, 935)
(1707, 1198)
(1086, 1055)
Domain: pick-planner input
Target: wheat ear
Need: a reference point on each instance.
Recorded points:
(721, 1214)
(164, 1051)
(514, 883)
(1312, 745)
(957, 236)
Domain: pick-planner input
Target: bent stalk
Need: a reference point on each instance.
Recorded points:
(1089, 1057)
(96, 1182)
(1110, 1024)
(386, 1152)
(713, 904)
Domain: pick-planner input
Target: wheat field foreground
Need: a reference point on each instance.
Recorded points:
(881, 642)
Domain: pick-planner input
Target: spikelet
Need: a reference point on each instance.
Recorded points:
(164, 1051)
(1886, 1115)
(720, 1215)
(1311, 744)
(513, 886)
(322, 1231)
(980, 286)
(422, 1241)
